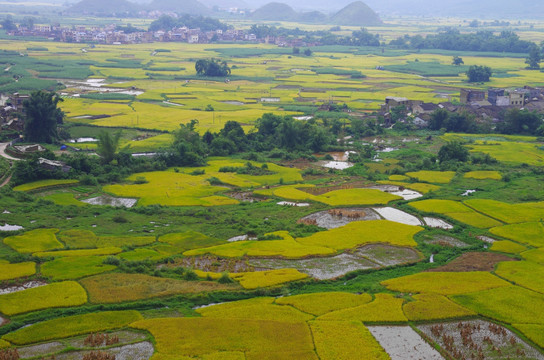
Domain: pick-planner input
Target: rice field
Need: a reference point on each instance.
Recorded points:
(508, 213)
(445, 283)
(456, 210)
(17, 270)
(116, 287)
(483, 175)
(43, 184)
(510, 304)
(322, 303)
(43, 297)
(72, 325)
(384, 308)
(322, 243)
(75, 267)
(433, 306)
(437, 177)
(531, 233)
(34, 241)
(523, 273)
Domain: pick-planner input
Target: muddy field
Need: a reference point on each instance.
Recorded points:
(478, 339)
(402, 342)
(334, 218)
(474, 261)
(366, 257)
(213, 264)
(444, 240)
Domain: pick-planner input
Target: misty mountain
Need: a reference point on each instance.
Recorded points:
(275, 11)
(356, 13)
(103, 7)
(224, 4)
(192, 7)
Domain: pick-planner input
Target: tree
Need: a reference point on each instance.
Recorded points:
(308, 52)
(457, 61)
(453, 151)
(212, 67)
(108, 145)
(8, 24)
(42, 116)
(518, 121)
(296, 51)
(478, 73)
(534, 58)
(28, 22)
(438, 119)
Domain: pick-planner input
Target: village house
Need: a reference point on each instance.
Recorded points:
(468, 96)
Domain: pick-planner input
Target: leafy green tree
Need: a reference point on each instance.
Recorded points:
(457, 61)
(534, 58)
(438, 119)
(42, 116)
(308, 52)
(8, 24)
(108, 145)
(296, 51)
(453, 151)
(478, 73)
(518, 121)
(212, 67)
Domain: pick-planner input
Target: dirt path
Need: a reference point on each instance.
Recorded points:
(5, 182)
(3, 152)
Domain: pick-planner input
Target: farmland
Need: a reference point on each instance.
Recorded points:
(213, 244)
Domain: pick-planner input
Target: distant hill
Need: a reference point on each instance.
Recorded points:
(275, 11)
(103, 7)
(192, 7)
(241, 4)
(356, 14)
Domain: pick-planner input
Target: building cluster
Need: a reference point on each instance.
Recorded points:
(110, 35)
(472, 101)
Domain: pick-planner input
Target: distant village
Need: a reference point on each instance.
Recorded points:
(472, 101)
(111, 36)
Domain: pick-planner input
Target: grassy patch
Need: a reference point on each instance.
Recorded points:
(80, 253)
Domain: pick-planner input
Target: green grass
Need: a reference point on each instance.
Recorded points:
(64, 199)
(428, 68)
(189, 240)
(72, 326)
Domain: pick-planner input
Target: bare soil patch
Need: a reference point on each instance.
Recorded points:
(334, 218)
(444, 240)
(402, 342)
(366, 257)
(474, 261)
(41, 349)
(210, 263)
(246, 196)
(124, 336)
(139, 351)
(478, 339)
